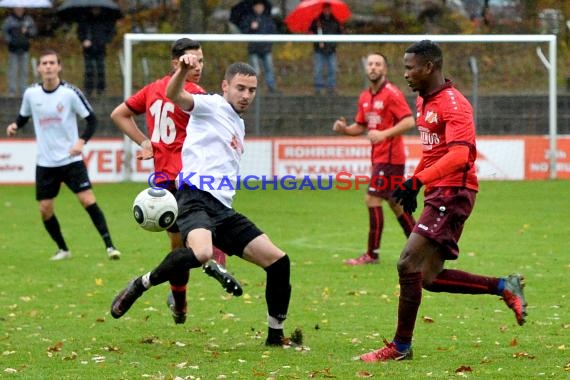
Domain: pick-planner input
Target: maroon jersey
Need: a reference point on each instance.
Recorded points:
(166, 123)
(445, 118)
(382, 110)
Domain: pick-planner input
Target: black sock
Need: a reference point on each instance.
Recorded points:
(100, 223)
(278, 288)
(53, 229)
(175, 264)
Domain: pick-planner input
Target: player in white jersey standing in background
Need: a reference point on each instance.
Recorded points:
(54, 106)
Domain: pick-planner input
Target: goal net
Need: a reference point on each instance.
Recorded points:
(510, 80)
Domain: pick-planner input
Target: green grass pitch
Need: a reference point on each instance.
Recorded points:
(55, 321)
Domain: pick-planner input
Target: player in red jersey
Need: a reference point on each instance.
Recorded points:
(166, 125)
(447, 169)
(385, 115)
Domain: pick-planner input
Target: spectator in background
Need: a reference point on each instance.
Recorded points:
(95, 32)
(259, 21)
(325, 52)
(18, 29)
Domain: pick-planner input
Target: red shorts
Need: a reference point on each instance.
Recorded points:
(445, 211)
(384, 179)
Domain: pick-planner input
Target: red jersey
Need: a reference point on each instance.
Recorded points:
(166, 123)
(382, 110)
(445, 118)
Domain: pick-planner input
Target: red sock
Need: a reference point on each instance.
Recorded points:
(407, 222)
(456, 281)
(408, 306)
(219, 256)
(376, 219)
(179, 291)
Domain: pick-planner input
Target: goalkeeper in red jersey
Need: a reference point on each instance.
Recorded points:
(447, 170)
(166, 126)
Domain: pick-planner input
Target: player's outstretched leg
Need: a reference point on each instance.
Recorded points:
(126, 298)
(215, 270)
(514, 297)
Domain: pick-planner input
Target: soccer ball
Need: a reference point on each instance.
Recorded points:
(155, 210)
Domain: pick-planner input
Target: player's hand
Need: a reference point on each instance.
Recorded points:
(339, 125)
(11, 130)
(407, 193)
(376, 136)
(189, 61)
(146, 152)
(77, 148)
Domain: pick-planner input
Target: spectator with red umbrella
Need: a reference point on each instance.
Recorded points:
(325, 52)
(321, 17)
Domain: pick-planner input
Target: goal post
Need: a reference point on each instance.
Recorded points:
(549, 61)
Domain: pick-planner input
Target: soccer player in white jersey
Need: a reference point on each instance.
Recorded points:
(212, 149)
(54, 106)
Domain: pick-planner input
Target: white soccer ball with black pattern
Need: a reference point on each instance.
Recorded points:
(155, 210)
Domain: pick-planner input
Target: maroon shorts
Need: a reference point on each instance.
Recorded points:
(384, 179)
(445, 211)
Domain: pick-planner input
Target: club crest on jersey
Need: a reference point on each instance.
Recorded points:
(431, 117)
(236, 145)
(378, 105)
(59, 107)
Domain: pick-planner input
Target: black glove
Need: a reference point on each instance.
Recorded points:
(407, 193)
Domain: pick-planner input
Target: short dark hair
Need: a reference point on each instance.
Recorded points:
(239, 68)
(180, 46)
(428, 51)
(49, 51)
(380, 54)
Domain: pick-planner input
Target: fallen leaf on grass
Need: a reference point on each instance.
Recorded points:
(10, 370)
(71, 356)
(514, 342)
(150, 340)
(55, 348)
(326, 373)
(427, 319)
(523, 355)
(463, 369)
(364, 374)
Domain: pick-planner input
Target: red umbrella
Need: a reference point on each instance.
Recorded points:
(299, 20)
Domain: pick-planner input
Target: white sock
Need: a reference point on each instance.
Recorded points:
(274, 323)
(145, 278)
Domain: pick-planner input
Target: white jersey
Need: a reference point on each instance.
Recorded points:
(213, 147)
(54, 114)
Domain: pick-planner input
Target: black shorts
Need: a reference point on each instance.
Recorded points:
(48, 180)
(231, 231)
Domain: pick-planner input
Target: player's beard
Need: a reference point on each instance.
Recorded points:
(376, 80)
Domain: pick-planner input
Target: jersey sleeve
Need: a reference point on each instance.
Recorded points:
(137, 102)
(205, 104)
(360, 117)
(80, 104)
(460, 128)
(399, 106)
(25, 109)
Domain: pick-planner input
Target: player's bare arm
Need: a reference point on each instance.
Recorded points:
(354, 129)
(175, 89)
(399, 128)
(123, 118)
